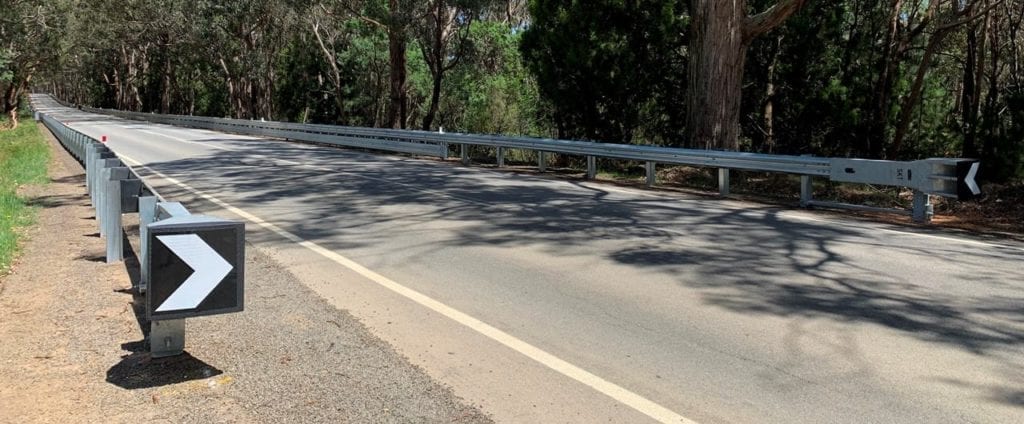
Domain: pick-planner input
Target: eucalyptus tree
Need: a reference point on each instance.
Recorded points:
(609, 68)
(30, 33)
(720, 32)
(442, 35)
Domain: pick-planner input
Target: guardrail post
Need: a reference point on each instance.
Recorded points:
(591, 167)
(723, 181)
(96, 162)
(501, 157)
(542, 161)
(805, 191)
(112, 220)
(89, 153)
(100, 204)
(111, 216)
(923, 210)
(100, 193)
(650, 172)
(464, 153)
(167, 337)
(147, 214)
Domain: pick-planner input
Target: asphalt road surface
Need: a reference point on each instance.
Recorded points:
(551, 300)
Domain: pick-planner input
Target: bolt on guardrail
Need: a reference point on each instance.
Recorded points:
(190, 265)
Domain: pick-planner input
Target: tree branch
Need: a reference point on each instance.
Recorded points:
(972, 17)
(771, 18)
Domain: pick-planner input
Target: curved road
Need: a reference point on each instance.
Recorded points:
(550, 300)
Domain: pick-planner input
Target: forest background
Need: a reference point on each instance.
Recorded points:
(893, 79)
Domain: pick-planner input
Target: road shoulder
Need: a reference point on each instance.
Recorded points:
(73, 344)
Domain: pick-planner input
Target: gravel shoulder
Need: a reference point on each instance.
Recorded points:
(72, 345)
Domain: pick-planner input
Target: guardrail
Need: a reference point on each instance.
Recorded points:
(946, 177)
(179, 264)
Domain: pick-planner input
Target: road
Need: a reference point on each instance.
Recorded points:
(546, 299)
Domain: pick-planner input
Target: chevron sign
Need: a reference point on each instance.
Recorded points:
(196, 267)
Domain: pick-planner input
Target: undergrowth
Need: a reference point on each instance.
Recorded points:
(23, 158)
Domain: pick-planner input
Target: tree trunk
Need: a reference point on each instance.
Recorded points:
(436, 59)
(969, 112)
(332, 60)
(720, 32)
(165, 96)
(873, 142)
(717, 53)
(435, 102)
(397, 112)
(11, 104)
(909, 103)
(769, 99)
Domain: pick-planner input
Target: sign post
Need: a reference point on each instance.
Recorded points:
(196, 268)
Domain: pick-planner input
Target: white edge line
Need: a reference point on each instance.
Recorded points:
(612, 390)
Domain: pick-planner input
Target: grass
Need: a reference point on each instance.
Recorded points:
(23, 159)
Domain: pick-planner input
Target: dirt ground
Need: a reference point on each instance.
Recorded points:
(72, 345)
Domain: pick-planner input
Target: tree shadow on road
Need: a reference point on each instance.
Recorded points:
(752, 260)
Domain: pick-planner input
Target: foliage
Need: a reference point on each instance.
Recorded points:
(864, 78)
(609, 68)
(23, 158)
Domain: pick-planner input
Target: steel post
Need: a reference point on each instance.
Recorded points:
(166, 338)
(501, 157)
(652, 176)
(464, 153)
(723, 181)
(591, 167)
(88, 168)
(806, 193)
(147, 214)
(112, 219)
(542, 161)
(101, 200)
(923, 210)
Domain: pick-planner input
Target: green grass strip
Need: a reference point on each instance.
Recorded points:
(23, 159)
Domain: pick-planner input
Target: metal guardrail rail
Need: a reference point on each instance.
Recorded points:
(115, 189)
(947, 177)
(436, 144)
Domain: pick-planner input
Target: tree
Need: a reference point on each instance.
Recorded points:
(959, 13)
(720, 32)
(608, 67)
(29, 34)
(328, 38)
(395, 18)
(442, 38)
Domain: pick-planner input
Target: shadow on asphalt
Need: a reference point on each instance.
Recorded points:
(751, 261)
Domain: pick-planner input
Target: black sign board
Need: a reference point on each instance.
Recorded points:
(196, 267)
(966, 174)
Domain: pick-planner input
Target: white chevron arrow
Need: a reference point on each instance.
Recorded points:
(208, 269)
(969, 179)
